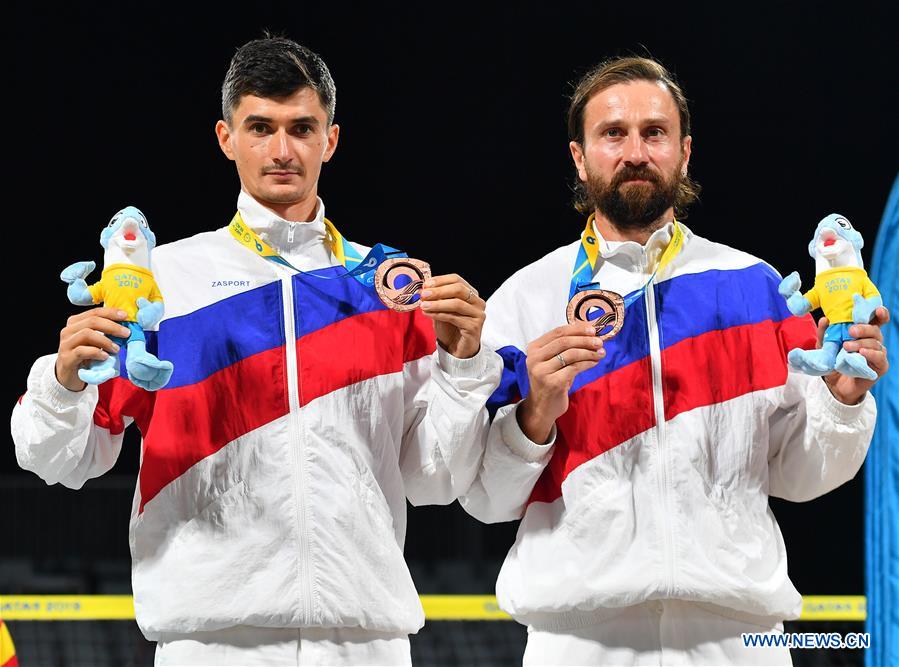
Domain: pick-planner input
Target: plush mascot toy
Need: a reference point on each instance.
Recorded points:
(842, 290)
(127, 284)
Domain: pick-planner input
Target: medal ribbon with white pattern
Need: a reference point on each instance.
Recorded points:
(380, 258)
(585, 294)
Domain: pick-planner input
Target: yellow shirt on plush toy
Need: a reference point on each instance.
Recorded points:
(833, 292)
(121, 285)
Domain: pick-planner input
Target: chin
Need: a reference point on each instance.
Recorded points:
(283, 196)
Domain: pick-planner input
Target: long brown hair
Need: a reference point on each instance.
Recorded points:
(625, 70)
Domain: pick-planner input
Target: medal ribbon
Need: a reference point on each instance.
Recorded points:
(584, 265)
(362, 269)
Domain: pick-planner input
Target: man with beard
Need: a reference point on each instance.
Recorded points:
(639, 447)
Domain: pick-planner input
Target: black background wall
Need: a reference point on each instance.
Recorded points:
(453, 147)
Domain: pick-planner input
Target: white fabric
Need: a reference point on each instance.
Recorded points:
(680, 510)
(301, 521)
(661, 633)
(284, 647)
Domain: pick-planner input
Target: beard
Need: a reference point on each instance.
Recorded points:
(633, 206)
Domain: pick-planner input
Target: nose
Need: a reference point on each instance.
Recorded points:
(280, 147)
(635, 153)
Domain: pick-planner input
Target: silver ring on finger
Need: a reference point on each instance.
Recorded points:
(470, 294)
(561, 360)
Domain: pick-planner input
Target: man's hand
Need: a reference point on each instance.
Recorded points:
(82, 341)
(458, 314)
(868, 343)
(553, 360)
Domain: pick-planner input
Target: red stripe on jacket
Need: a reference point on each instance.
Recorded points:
(720, 365)
(601, 415)
(710, 368)
(359, 348)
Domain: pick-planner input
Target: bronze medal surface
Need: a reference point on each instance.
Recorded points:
(602, 309)
(399, 281)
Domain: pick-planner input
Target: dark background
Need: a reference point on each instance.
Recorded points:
(452, 147)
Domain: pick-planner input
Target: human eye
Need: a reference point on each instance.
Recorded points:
(258, 128)
(303, 130)
(613, 132)
(655, 133)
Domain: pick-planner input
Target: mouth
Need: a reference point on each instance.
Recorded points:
(828, 238)
(281, 173)
(129, 234)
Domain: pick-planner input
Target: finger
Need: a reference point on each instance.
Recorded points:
(84, 353)
(877, 359)
(571, 357)
(446, 279)
(91, 338)
(566, 343)
(459, 291)
(107, 313)
(458, 306)
(881, 316)
(860, 331)
(823, 323)
(863, 344)
(579, 367)
(111, 327)
(576, 329)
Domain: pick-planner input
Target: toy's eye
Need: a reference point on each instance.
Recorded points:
(844, 223)
(143, 223)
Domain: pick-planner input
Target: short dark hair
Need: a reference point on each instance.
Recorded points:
(276, 67)
(626, 70)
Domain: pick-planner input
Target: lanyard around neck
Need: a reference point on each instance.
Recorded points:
(585, 264)
(362, 269)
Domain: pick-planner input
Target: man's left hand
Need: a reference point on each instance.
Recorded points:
(458, 314)
(868, 343)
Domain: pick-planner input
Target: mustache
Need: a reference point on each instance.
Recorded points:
(291, 170)
(628, 173)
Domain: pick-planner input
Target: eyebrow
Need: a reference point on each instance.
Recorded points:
(654, 120)
(306, 120)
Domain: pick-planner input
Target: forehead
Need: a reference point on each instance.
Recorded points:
(304, 102)
(633, 102)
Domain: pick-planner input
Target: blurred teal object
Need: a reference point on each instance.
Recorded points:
(882, 466)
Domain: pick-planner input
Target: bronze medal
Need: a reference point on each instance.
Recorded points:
(602, 309)
(399, 281)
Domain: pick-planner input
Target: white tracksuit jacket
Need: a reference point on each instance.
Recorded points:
(277, 462)
(657, 481)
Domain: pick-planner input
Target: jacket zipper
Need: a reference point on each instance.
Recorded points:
(297, 444)
(655, 356)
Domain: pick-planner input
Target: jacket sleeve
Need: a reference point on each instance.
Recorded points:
(512, 463)
(68, 437)
(445, 422)
(510, 469)
(816, 442)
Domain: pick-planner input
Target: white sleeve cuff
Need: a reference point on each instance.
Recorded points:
(519, 443)
(44, 383)
(840, 412)
(473, 367)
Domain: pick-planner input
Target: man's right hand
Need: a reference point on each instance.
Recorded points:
(553, 361)
(82, 341)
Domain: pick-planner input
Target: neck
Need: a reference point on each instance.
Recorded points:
(610, 232)
(300, 211)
